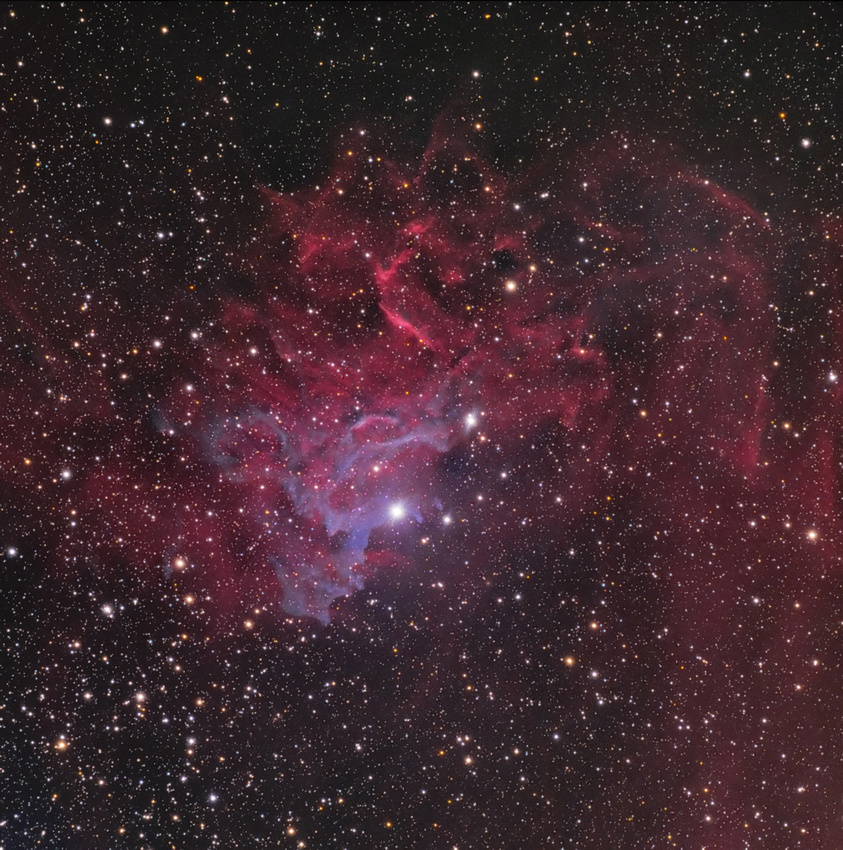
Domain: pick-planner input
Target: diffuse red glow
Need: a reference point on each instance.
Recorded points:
(610, 305)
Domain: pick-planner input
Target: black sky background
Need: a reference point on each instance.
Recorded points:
(133, 137)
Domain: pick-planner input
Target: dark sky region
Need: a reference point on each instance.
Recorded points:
(422, 426)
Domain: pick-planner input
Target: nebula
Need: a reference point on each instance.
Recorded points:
(415, 326)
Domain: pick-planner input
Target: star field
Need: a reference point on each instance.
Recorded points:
(420, 425)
